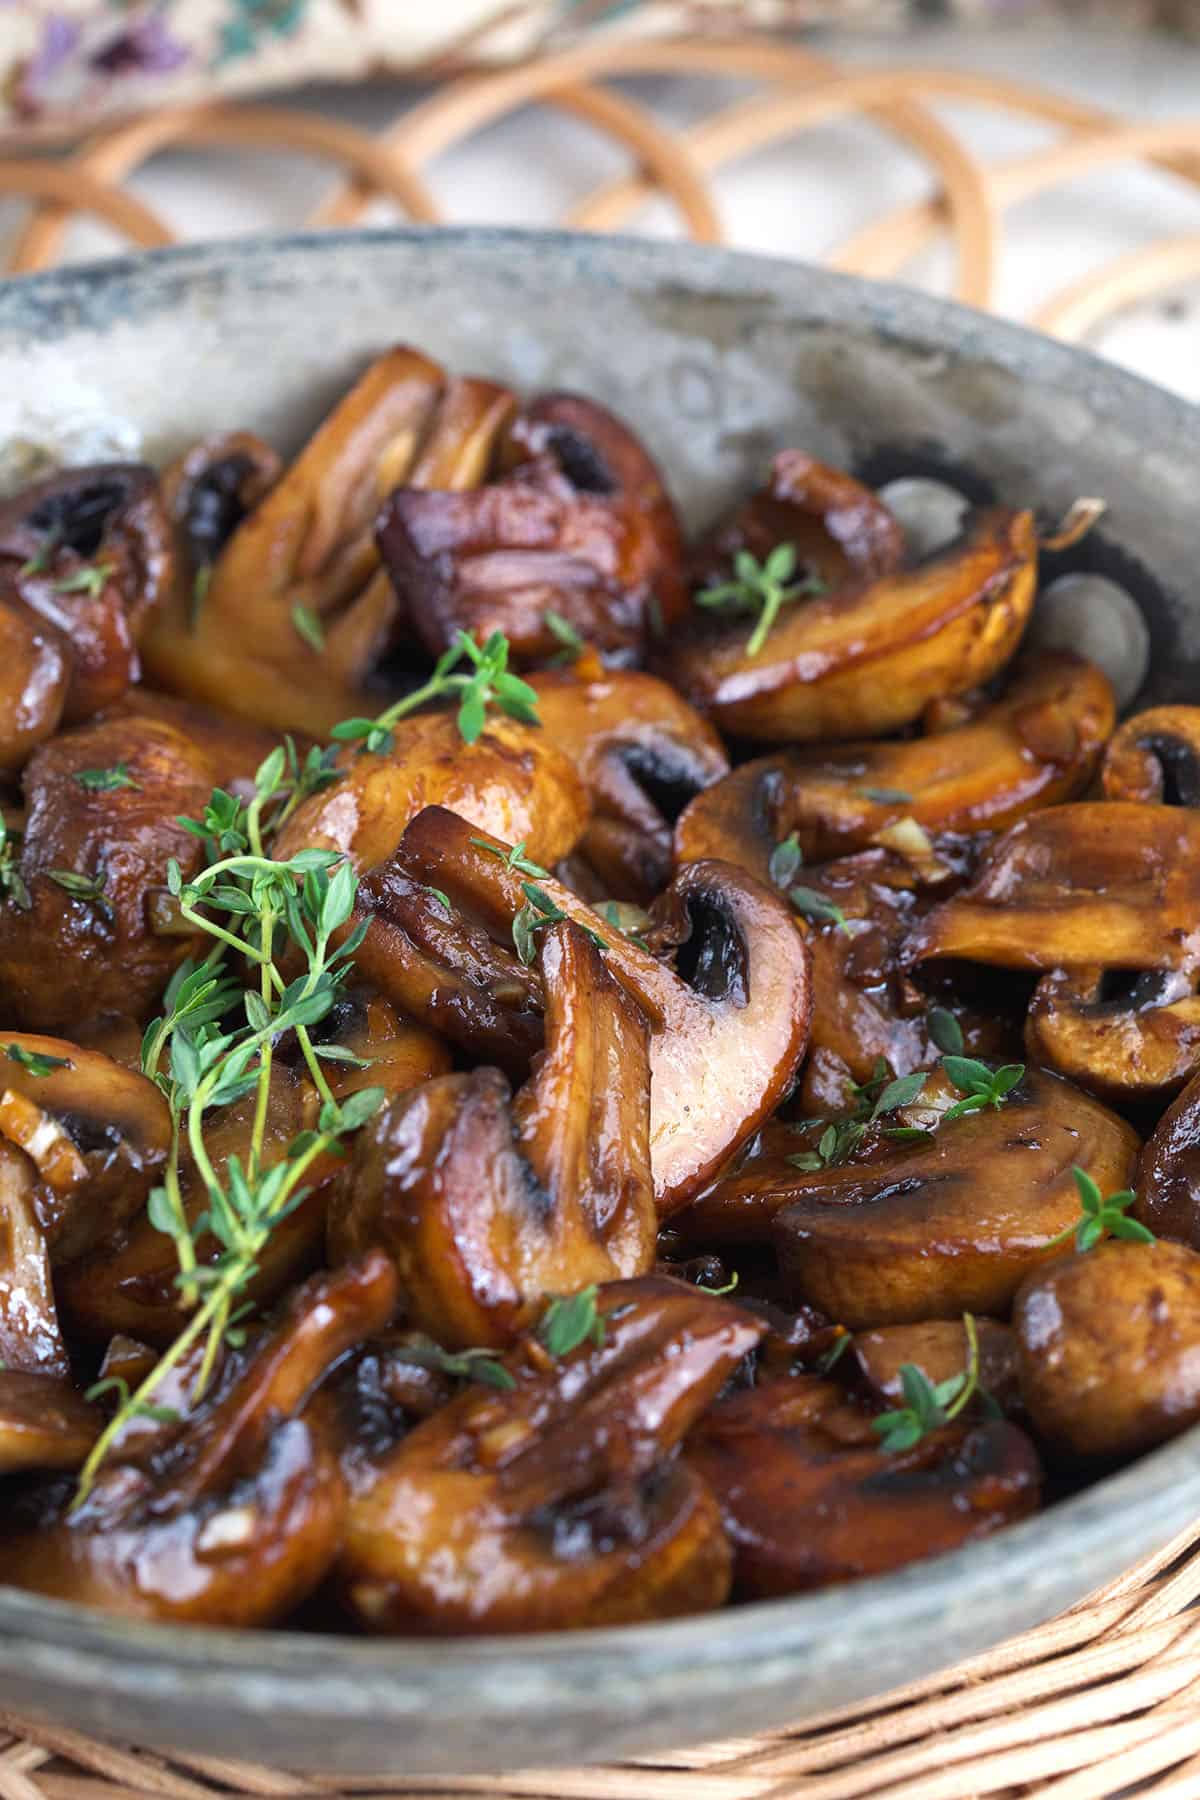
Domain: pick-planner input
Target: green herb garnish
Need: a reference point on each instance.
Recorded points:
(1102, 1217)
(929, 1407)
(490, 683)
(106, 781)
(764, 588)
(571, 1320)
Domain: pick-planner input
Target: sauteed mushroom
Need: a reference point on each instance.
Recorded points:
(1109, 1346)
(642, 753)
(838, 528)
(940, 1348)
(511, 781)
(1127, 1035)
(557, 1503)
(92, 871)
(868, 657)
(1168, 1183)
(729, 1023)
(96, 1134)
(233, 1516)
(809, 1497)
(487, 1201)
(1035, 747)
(908, 1231)
(36, 665)
(129, 1284)
(1155, 757)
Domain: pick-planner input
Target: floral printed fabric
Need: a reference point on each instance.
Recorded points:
(67, 63)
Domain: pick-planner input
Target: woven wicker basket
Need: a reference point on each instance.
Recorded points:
(1106, 1699)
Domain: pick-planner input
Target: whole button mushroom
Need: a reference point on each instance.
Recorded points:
(1109, 1348)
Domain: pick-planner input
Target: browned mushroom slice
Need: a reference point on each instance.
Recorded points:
(441, 968)
(557, 1504)
(93, 865)
(1113, 884)
(868, 657)
(36, 663)
(940, 1349)
(45, 1423)
(729, 1024)
(30, 1338)
(89, 551)
(900, 1232)
(1168, 1183)
(306, 544)
(599, 455)
(1128, 1036)
(486, 1201)
(129, 1285)
(511, 782)
(1155, 757)
(837, 527)
(96, 1133)
(642, 753)
(1109, 1346)
(211, 489)
(1035, 747)
(809, 1497)
(238, 1516)
(950, 1225)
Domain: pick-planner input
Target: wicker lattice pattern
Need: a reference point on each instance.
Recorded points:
(968, 200)
(1107, 1698)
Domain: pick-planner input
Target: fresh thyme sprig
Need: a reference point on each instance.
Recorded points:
(488, 682)
(764, 588)
(538, 912)
(931, 1406)
(787, 859)
(308, 625)
(252, 908)
(874, 1099)
(89, 580)
(514, 858)
(817, 909)
(982, 1086)
(1101, 1217)
(466, 1365)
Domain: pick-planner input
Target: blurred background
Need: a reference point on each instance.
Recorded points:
(199, 118)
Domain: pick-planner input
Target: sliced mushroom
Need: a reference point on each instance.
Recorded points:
(809, 1497)
(729, 1024)
(512, 782)
(307, 543)
(908, 1231)
(642, 753)
(1168, 1183)
(45, 1423)
(557, 1504)
(940, 1349)
(838, 528)
(89, 551)
(581, 526)
(96, 1134)
(1113, 884)
(31, 1340)
(129, 1285)
(1129, 1036)
(438, 966)
(93, 864)
(1109, 1347)
(232, 1517)
(868, 657)
(1035, 747)
(599, 455)
(485, 1201)
(1155, 757)
(211, 489)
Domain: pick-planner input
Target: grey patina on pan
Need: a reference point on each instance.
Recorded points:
(718, 359)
